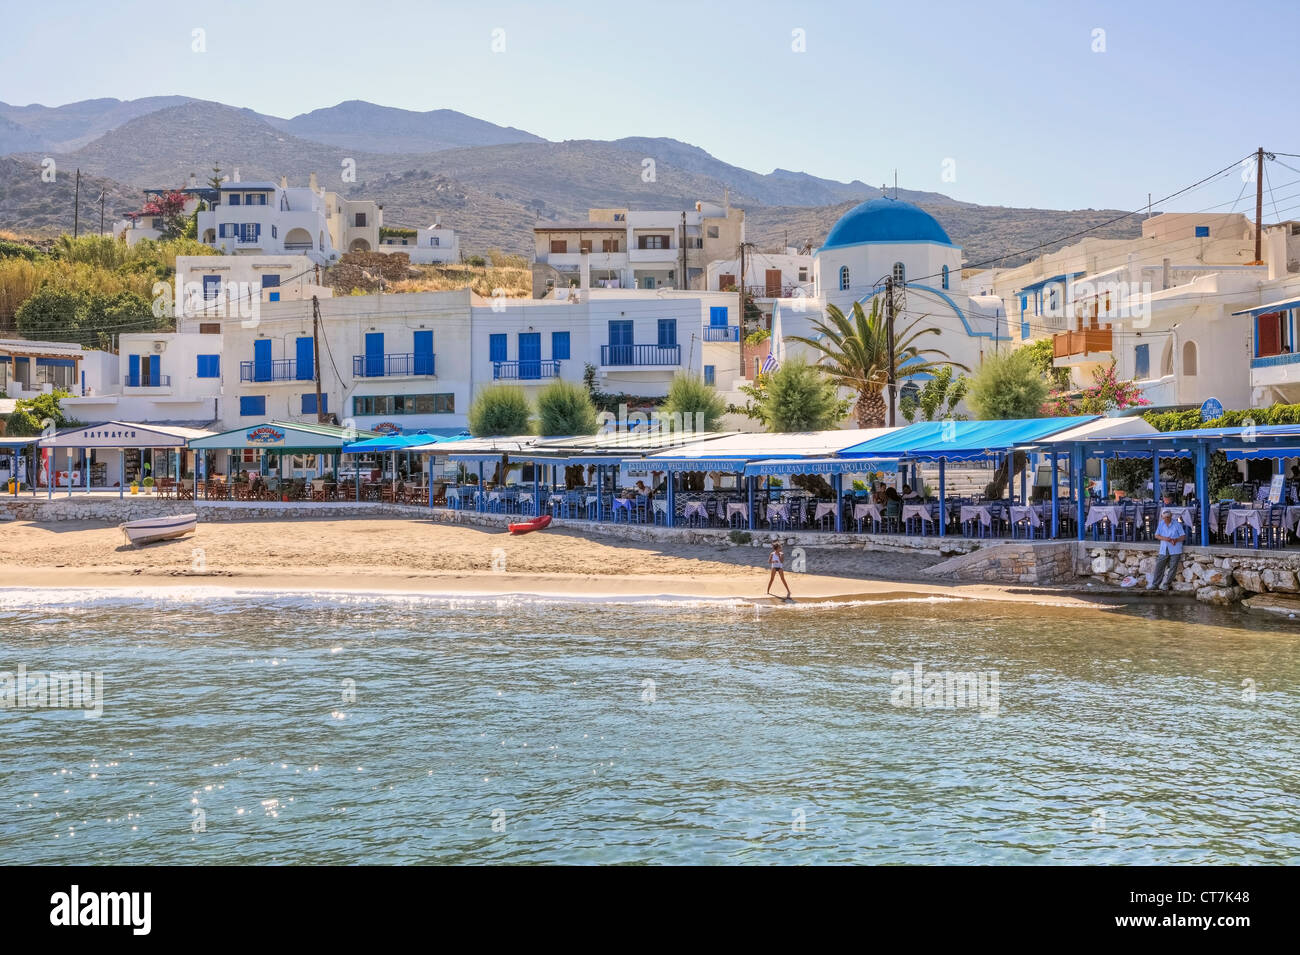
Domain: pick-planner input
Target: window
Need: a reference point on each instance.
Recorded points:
(1189, 359)
(584, 245)
(560, 346)
(275, 233)
(667, 332)
(250, 405)
(718, 316)
(713, 232)
(250, 231)
(803, 273)
(210, 328)
(255, 199)
(1202, 232)
(232, 199)
(309, 403)
(1142, 361)
(726, 281)
(709, 374)
(157, 224)
(844, 278)
(385, 405)
(270, 281)
(360, 221)
(211, 287)
(945, 276)
(304, 364)
(652, 242)
(559, 246)
(497, 348)
(609, 245)
(226, 230)
(209, 366)
(273, 297)
(900, 273)
(435, 241)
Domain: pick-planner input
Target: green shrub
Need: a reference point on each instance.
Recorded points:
(564, 408)
(799, 397)
(688, 396)
(500, 410)
(1008, 385)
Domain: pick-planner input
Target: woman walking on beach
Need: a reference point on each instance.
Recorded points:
(774, 560)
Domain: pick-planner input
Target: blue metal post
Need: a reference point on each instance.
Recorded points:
(69, 472)
(1056, 503)
(838, 483)
(482, 497)
(1203, 489)
(86, 452)
(672, 499)
(1077, 461)
(430, 482)
(1105, 482)
(1024, 479)
(1155, 478)
(943, 502)
(749, 487)
(121, 472)
(537, 491)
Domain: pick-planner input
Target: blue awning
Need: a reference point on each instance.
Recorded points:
(1054, 280)
(962, 440)
(818, 466)
(725, 465)
(392, 442)
(1271, 307)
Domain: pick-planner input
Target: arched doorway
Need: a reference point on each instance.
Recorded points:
(359, 245)
(297, 240)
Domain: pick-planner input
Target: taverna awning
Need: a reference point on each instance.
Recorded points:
(282, 436)
(733, 452)
(396, 442)
(1261, 441)
(1278, 306)
(962, 440)
(123, 434)
(474, 450)
(818, 466)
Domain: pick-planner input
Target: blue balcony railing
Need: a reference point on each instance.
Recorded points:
(623, 355)
(525, 370)
(382, 366)
(148, 381)
(278, 369)
(1272, 361)
(722, 333)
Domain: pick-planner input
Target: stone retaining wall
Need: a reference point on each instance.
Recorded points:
(114, 511)
(1044, 563)
(1213, 574)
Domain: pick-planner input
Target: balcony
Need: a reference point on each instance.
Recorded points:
(299, 246)
(722, 333)
(1277, 370)
(525, 370)
(1069, 348)
(640, 356)
(280, 369)
(148, 381)
(775, 290)
(390, 366)
(1273, 361)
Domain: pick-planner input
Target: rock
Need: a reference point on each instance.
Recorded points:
(1285, 607)
(1147, 566)
(1101, 564)
(1250, 579)
(1228, 564)
(1216, 577)
(1218, 595)
(1280, 580)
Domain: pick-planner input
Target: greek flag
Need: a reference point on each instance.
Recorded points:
(775, 346)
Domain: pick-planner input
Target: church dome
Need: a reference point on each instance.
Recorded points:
(885, 220)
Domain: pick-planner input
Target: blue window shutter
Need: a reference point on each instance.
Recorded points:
(717, 315)
(304, 367)
(709, 374)
(209, 366)
(273, 296)
(560, 346)
(211, 286)
(270, 281)
(423, 361)
(133, 370)
(667, 332)
(309, 403)
(1202, 232)
(497, 348)
(232, 199)
(250, 405)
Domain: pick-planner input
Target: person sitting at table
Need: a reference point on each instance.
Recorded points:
(909, 494)
(893, 504)
(1171, 533)
(878, 493)
(642, 489)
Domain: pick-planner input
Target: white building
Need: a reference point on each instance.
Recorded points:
(31, 368)
(636, 249)
(212, 289)
(262, 217)
(433, 245)
(160, 377)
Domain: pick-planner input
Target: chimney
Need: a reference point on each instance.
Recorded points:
(284, 182)
(584, 272)
(311, 183)
(234, 176)
(1275, 252)
(194, 181)
(1164, 273)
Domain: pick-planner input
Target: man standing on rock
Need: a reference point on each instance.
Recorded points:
(1171, 534)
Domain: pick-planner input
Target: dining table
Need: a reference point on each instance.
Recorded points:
(695, 509)
(865, 509)
(1029, 512)
(976, 512)
(1239, 517)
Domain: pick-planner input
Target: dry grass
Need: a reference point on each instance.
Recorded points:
(482, 280)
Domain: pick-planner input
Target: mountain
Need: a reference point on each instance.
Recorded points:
(359, 125)
(31, 206)
(68, 127)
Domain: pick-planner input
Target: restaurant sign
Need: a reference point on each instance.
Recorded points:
(264, 435)
(387, 427)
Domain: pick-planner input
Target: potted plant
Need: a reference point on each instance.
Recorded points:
(135, 485)
(148, 485)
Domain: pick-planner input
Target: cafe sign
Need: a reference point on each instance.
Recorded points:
(264, 435)
(387, 427)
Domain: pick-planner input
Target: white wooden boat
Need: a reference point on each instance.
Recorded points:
(158, 528)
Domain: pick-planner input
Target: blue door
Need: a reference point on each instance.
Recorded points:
(620, 343)
(262, 359)
(133, 371)
(423, 353)
(374, 354)
(305, 366)
(530, 355)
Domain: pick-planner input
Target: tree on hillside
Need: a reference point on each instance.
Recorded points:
(855, 354)
(1008, 385)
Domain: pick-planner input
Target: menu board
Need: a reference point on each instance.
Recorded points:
(1275, 489)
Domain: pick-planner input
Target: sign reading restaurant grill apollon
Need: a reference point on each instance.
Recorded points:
(264, 435)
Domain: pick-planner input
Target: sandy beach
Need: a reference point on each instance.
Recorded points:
(422, 556)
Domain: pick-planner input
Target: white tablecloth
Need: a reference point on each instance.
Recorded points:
(525, 497)
(916, 510)
(778, 512)
(1292, 518)
(976, 512)
(867, 510)
(734, 508)
(1243, 516)
(1020, 512)
(823, 508)
(660, 506)
(1185, 515)
(1102, 512)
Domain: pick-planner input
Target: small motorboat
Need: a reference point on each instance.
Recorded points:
(153, 529)
(527, 527)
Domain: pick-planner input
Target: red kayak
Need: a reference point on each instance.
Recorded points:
(527, 527)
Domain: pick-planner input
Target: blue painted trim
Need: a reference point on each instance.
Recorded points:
(994, 336)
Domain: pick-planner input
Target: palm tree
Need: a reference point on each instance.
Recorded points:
(855, 354)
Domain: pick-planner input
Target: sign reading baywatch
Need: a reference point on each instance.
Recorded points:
(264, 435)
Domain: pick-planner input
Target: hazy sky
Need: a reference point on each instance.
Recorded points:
(1029, 103)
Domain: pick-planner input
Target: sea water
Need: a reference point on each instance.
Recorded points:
(260, 727)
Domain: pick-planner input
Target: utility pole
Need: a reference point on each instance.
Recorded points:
(315, 343)
(740, 322)
(681, 282)
(1259, 206)
(889, 336)
(76, 206)
(102, 194)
